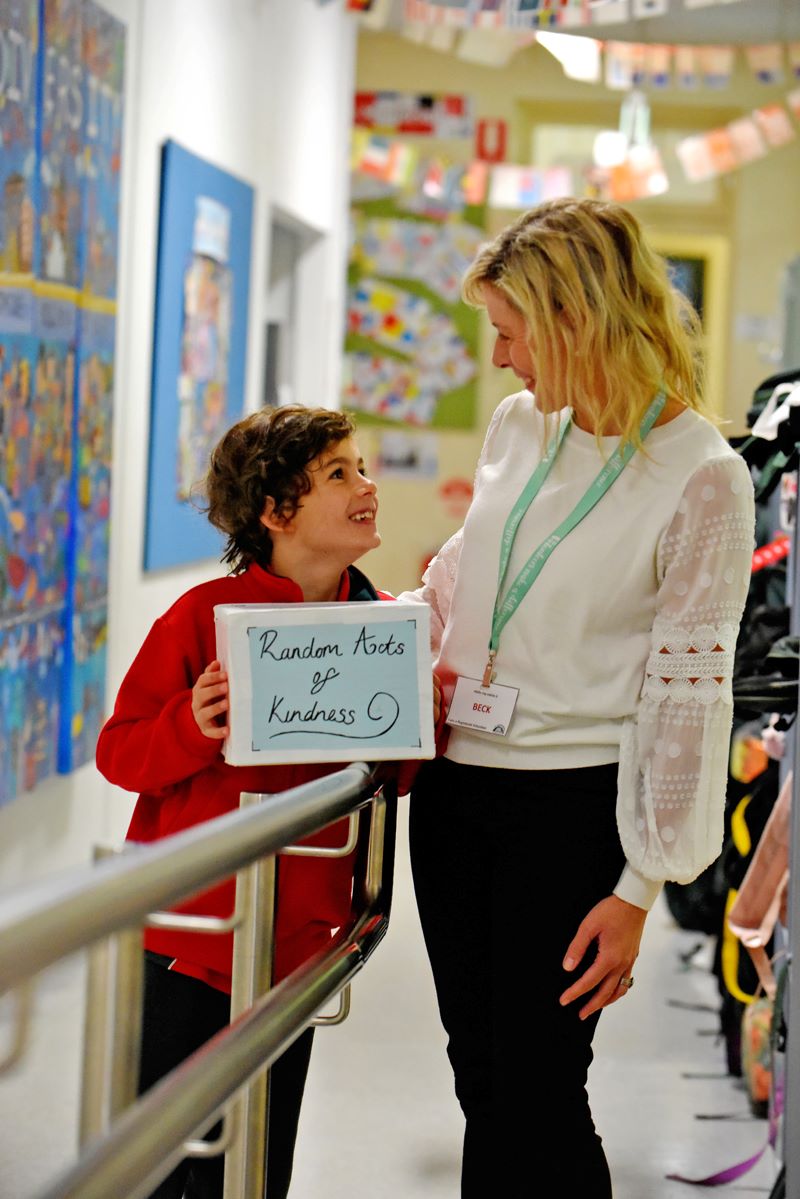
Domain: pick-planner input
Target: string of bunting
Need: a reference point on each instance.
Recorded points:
(541, 14)
(630, 64)
(721, 150)
(655, 65)
(435, 186)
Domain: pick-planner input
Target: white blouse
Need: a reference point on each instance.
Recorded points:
(623, 649)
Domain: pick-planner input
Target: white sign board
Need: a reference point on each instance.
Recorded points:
(326, 682)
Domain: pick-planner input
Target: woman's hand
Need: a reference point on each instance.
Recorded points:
(615, 927)
(437, 699)
(210, 700)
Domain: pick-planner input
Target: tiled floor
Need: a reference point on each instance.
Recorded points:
(380, 1120)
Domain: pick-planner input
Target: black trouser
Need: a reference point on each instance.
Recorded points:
(506, 864)
(180, 1014)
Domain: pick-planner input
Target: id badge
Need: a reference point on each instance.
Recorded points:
(486, 709)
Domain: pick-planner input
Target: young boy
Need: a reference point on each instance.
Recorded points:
(287, 487)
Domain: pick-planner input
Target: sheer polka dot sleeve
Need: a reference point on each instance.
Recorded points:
(674, 754)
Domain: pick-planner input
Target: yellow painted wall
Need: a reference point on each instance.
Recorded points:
(755, 217)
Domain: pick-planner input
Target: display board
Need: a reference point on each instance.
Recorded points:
(61, 110)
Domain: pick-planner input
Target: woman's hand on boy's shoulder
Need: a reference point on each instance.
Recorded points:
(210, 701)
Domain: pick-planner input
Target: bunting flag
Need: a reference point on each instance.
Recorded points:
(519, 187)
(641, 175)
(574, 13)
(614, 12)
(531, 14)
(658, 66)
(745, 140)
(773, 121)
(793, 52)
(391, 161)
(706, 155)
(619, 65)
(476, 182)
(748, 144)
(437, 188)
(716, 65)
(650, 8)
(687, 67)
(489, 14)
(766, 62)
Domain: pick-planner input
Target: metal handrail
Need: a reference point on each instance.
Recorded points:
(51, 918)
(156, 1127)
(48, 920)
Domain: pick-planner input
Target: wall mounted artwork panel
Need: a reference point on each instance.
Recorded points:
(199, 347)
(61, 128)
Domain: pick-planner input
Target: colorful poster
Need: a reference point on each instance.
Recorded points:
(61, 64)
(85, 684)
(31, 656)
(93, 456)
(49, 452)
(436, 253)
(60, 200)
(102, 78)
(404, 112)
(34, 474)
(103, 70)
(205, 345)
(200, 344)
(19, 24)
(411, 348)
(36, 388)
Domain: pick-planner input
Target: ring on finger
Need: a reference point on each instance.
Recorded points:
(626, 981)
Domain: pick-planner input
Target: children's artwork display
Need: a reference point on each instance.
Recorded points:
(61, 124)
(199, 348)
(62, 132)
(411, 347)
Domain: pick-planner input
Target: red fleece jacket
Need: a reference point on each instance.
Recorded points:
(152, 744)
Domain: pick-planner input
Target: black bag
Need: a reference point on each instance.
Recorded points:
(699, 906)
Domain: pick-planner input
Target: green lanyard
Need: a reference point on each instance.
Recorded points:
(505, 609)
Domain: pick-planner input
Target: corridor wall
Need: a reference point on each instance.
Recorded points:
(261, 88)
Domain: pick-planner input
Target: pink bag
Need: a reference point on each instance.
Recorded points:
(762, 896)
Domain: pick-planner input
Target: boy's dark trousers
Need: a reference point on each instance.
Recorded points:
(180, 1014)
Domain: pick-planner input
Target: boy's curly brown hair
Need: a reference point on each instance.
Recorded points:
(266, 455)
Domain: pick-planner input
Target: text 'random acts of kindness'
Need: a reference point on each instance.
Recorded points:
(338, 682)
(356, 683)
(382, 710)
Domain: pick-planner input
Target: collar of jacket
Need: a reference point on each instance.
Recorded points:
(353, 586)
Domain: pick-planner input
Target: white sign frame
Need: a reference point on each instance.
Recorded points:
(240, 626)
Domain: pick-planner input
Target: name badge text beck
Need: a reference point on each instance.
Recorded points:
(483, 709)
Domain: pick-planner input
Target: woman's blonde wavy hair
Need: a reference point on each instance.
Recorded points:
(606, 328)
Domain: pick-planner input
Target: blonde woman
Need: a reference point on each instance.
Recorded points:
(585, 619)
